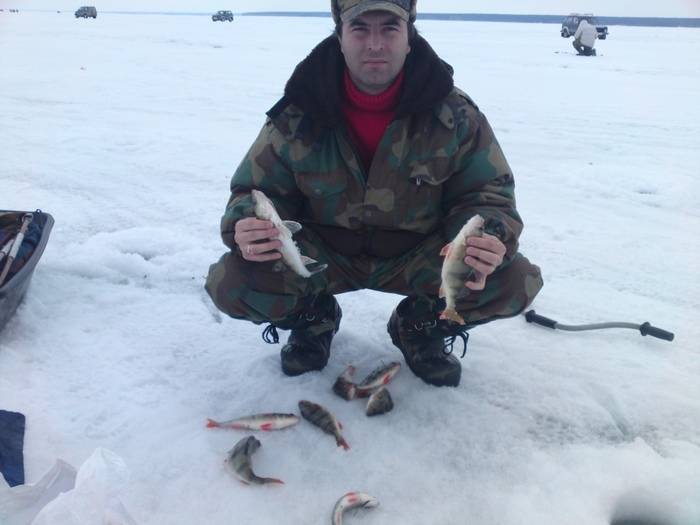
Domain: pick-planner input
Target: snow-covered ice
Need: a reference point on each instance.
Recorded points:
(127, 130)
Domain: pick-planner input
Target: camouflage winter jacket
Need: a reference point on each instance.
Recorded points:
(437, 164)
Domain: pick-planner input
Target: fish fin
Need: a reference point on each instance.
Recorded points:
(441, 292)
(471, 276)
(463, 292)
(272, 480)
(213, 424)
(452, 315)
(445, 250)
(292, 226)
(342, 443)
(266, 427)
(340, 425)
(348, 373)
(312, 265)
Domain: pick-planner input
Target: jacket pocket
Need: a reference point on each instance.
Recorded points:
(319, 185)
(326, 197)
(432, 171)
(423, 191)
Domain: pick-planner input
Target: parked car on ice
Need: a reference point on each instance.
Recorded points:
(220, 16)
(86, 11)
(571, 22)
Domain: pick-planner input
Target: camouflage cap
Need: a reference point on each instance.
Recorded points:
(344, 10)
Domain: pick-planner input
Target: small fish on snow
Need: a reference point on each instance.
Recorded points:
(264, 209)
(343, 386)
(455, 272)
(379, 402)
(380, 376)
(271, 421)
(238, 460)
(352, 500)
(323, 419)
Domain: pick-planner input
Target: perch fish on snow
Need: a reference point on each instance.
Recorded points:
(379, 402)
(372, 386)
(238, 460)
(352, 500)
(455, 272)
(265, 210)
(271, 421)
(343, 386)
(377, 378)
(323, 419)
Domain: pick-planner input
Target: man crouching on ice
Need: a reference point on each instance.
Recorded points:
(382, 160)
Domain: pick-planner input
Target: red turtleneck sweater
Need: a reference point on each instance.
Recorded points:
(368, 116)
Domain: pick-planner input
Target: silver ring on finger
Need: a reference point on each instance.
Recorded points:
(249, 249)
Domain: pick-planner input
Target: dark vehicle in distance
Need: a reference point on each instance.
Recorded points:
(221, 16)
(87, 11)
(571, 22)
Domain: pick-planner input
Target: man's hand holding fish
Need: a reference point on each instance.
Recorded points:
(484, 254)
(255, 238)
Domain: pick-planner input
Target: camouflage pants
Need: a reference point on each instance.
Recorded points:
(269, 292)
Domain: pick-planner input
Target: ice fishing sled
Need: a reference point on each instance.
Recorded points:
(23, 237)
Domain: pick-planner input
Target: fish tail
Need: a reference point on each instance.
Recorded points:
(342, 443)
(452, 315)
(271, 480)
(213, 424)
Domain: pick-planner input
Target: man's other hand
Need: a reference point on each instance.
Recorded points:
(254, 238)
(484, 254)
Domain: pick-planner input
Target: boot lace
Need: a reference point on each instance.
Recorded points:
(270, 335)
(450, 343)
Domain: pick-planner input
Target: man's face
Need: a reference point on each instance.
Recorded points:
(375, 45)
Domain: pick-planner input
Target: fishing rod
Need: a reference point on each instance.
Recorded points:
(6, 248)
(26, 219)
(645, 328)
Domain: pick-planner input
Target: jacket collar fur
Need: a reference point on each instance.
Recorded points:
(316, 85)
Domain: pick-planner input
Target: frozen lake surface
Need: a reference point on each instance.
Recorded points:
(127, 130)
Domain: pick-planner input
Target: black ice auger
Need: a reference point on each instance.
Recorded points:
(645, 328)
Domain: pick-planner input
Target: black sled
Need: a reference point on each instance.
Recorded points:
(18, 260)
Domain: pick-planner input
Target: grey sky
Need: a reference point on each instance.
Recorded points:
(665, 8)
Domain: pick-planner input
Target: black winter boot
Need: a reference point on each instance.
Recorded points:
(426, 341)
(309, 345)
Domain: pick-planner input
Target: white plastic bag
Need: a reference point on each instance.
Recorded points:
(94, 500)
(19, 505)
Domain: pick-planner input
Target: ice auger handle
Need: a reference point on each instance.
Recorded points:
(644, 329)
(532, 317)
(648, 329)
